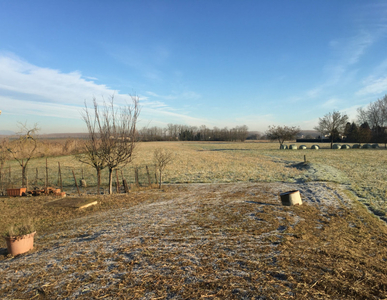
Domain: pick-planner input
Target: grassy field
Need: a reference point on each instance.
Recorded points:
(364, 171)
(216, 230)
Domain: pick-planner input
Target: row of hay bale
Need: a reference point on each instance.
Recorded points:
(335, 146)
(294, 147)
(365, 146)
(356, 146)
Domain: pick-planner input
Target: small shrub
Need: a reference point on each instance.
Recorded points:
(20, 229)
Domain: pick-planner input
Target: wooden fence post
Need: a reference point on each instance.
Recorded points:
(136, 176)
(76, 184)
(118, 182)
(60, 177)
(125, 184)
(46, 174)
(147, 173)
(26, 180)
(10, 177)
(1, 178)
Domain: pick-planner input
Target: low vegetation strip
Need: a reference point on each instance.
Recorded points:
(211, 241)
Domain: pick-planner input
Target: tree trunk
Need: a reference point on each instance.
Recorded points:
(110, 181)
(24, 179)
(98, 180)
(160, 181)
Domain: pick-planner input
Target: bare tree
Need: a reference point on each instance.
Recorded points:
(112, 136)
(375, 115)
(119, 135)
(282, 133)
(24, 147)
(332, 124)
(94, 152)
(162, 159)
(4, 156)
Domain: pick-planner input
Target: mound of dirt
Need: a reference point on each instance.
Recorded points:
(320, 172)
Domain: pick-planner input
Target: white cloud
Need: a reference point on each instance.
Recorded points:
(331, 103)
(44, 92)
(169, 97)
(39, 108)
(346, 53)
(28, 81)
(254, 122)
(187, 95)
(166, 116)
(374, 86)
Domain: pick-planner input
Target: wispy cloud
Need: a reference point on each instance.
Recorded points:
(44, 92)
(332, 103)
(346, 53)
(149, 114)
(376, 83)
(40, 108)
(374, 86)
(148, 60)
(28, 82)
(185, 95)
(168, 97)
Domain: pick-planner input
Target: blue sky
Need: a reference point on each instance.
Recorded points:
(213, 63)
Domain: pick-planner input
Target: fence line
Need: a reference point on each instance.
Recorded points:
(62, 177)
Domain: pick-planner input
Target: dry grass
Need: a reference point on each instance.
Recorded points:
(363, 170)
(222, 241)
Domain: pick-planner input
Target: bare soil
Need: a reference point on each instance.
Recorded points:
(207, 241)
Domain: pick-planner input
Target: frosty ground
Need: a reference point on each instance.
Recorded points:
(210, 241)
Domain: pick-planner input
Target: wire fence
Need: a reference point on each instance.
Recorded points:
(68, 178)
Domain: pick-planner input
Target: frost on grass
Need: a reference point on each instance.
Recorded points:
(202, 240)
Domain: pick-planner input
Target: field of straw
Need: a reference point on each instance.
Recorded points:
(215, 230)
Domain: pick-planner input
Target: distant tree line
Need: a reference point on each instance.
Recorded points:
(373, 123)
(176, 132)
